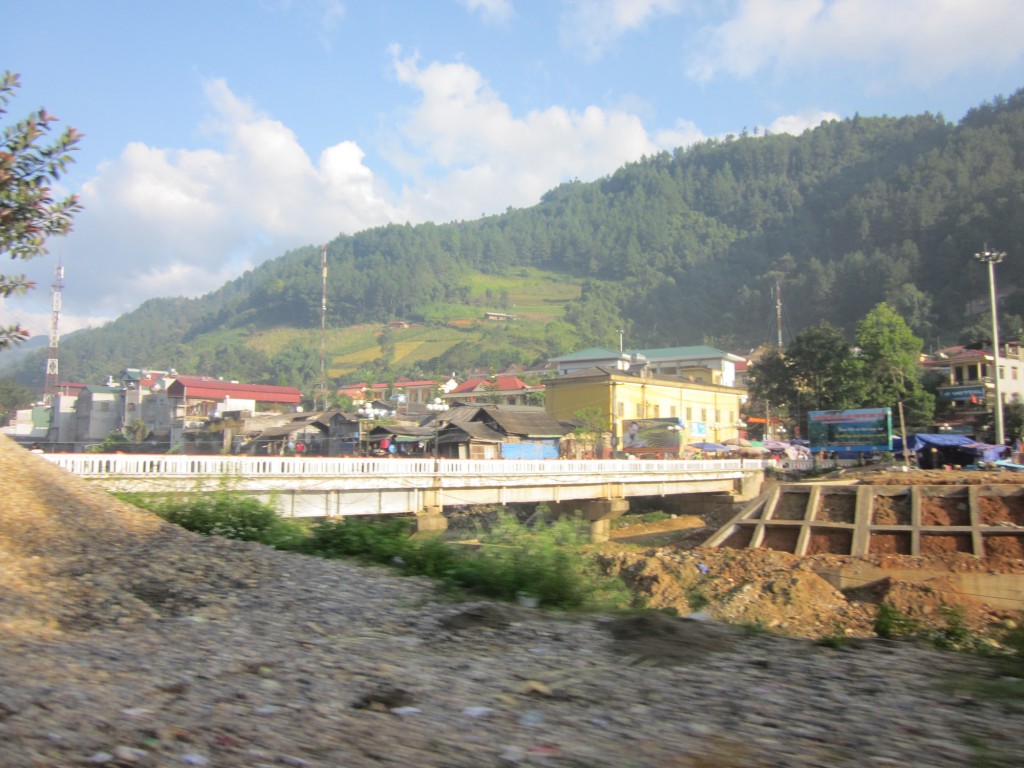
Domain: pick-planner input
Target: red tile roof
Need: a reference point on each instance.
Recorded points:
(496, 384)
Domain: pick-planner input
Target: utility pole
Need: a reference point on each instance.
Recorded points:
(991, 258)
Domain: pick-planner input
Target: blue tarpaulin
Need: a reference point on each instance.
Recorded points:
(958, 447)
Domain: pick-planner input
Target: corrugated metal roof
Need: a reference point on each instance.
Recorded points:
(474, 430)
(523, 423)
(217, 390)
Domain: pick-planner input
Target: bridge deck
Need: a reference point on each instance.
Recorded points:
(317, 487)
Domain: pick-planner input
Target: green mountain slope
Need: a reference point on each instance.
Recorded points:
(679, 248)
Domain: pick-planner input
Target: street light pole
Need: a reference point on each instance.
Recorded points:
(991, 258)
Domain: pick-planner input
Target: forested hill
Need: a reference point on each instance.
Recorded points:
(679, 248)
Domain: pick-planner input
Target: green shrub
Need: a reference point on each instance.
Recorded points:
(376, 539)
(231, 514)
(891, 623)
(547, 563)
(955, 635)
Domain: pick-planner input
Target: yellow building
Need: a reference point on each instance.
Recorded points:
(695, 412)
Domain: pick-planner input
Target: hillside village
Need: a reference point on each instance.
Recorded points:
(594, 403)
(689, 394)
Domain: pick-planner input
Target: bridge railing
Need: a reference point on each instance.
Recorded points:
(99, 465)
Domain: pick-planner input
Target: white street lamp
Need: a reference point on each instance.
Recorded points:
(368, 413)
(991, 258)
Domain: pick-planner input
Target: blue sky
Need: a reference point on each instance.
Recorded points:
(221, 134)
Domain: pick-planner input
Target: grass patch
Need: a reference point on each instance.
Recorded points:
(551, 564)
(546, 563)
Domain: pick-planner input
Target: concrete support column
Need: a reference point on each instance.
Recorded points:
(599, 512)
(431, 522)
(749, 486)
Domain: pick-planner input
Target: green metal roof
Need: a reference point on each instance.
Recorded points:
(593, 353)
(682, 352)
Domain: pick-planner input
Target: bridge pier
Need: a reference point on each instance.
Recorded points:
(600, 513)
(430, 520)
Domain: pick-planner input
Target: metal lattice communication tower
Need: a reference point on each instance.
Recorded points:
(52, 359)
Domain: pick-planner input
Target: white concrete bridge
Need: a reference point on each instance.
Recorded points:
(329, 487)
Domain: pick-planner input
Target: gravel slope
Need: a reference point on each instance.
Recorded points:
(128, 642)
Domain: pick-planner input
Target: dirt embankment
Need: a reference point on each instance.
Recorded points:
(793, 596)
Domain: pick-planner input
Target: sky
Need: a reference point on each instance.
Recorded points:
(221, 134)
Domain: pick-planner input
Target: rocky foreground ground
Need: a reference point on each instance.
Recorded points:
(125, 641)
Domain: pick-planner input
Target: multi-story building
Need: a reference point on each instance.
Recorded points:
(701, 363)
(164, 403)
(99, 410)
(622, 401)
(969, 384)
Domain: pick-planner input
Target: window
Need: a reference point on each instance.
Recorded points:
(672, 412)
(639, 410)
(689, 413)
(657, 411)
(620, 409)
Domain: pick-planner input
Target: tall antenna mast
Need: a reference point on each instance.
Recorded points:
(323, 328)
(52, 359)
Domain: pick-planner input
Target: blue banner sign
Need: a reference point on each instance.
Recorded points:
(858, 429)
(962, 393)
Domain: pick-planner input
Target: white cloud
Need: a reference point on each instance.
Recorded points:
(798, 123)
(170, 222)
(914, 41)
(470, 155)
(492, 11)
(591, 26)
(176, 222)
(683, 134)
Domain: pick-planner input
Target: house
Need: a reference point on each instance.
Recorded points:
(29, 425)
(194, 399)
(968, 381)
(98, 412)
(677, 411)
(399, 440)
(507, 390)
(498, 431)
(280, 435)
